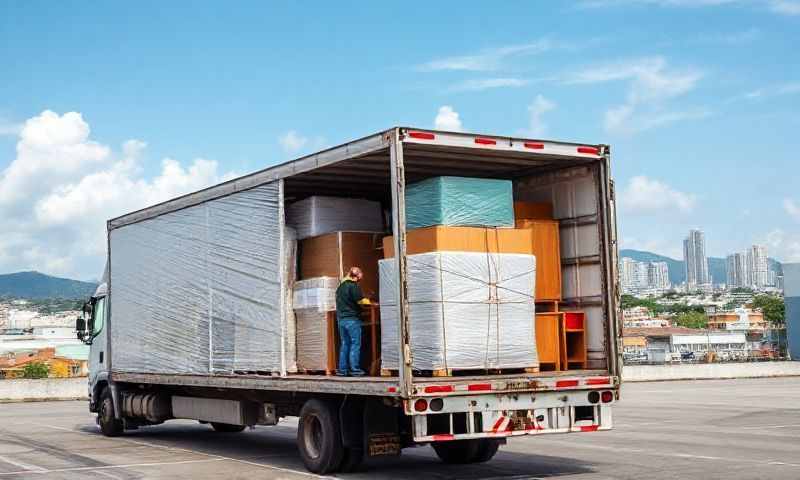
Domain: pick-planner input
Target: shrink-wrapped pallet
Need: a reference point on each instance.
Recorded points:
(466, 311)
(313, 299)
(460, 201)
(319, 215)
(198, 290)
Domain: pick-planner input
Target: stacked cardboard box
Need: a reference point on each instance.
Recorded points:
(333, 254)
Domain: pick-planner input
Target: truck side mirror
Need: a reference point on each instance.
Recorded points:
(80, 329)
(80, 325)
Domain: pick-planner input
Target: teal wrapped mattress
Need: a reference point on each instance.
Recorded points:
(460, 201)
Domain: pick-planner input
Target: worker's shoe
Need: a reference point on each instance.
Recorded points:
(341, 373)
(358, 373)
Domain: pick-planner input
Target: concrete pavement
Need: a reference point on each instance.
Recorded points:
(719, 429)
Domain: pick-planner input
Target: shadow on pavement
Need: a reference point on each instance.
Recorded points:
(275, 446)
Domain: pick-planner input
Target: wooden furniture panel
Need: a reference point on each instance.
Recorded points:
(547, 250)
(550, 340)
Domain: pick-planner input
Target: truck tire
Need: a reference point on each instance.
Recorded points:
(319, 438)
(487, 448)
(466, 451)
(226, 427)
(109, 425)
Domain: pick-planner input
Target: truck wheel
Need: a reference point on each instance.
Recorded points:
(226, 427)
(456, 451)
(319, 438)
(487, 448)
(109, 425)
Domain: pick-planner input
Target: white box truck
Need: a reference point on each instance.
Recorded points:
(191, 318)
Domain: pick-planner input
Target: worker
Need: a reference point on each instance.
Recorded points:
(349, 299)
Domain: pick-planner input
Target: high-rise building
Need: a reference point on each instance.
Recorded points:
(757, 266)
(637, 277)
(694, 258)
(736, 270)
(658, 275)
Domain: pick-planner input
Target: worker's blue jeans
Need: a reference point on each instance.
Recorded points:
(349, 346)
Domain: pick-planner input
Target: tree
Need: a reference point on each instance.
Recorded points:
(692, 319)
(773, 308)
(35, 370)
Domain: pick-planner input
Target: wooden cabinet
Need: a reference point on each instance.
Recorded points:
(547, 250)
(549, 340)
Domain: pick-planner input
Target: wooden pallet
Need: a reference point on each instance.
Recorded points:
(458, 372)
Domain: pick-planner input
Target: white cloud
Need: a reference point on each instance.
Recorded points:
(783, 246)
(652, 84)
(540, 106)
(781, 7)
(785, 7)
(791, 88)
(447, 119)
(56, 195)
(487, 83)
(658, 245)
(487, 59)
(792, 208)
(292, 142)
(644, 195)
(729, 38)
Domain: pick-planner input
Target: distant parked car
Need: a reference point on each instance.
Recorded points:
(687, 356)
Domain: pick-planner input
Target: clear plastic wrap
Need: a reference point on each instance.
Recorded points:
(312, 339)
(316, 293)
(198, 290)
(289, 276)
(319, 215)
(466, 311)
(460, 201)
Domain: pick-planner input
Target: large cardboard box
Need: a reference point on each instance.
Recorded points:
(463, 239)
(333, 254)
(545, 246)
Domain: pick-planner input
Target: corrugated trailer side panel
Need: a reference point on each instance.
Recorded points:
(198, 290)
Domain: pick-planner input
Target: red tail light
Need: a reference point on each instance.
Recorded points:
(607, 396)
(421, 405)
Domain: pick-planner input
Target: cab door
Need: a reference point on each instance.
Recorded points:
(98, 355)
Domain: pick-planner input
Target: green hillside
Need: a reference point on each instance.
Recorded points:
(35, 285)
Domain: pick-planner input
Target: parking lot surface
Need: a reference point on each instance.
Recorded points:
(717, 429)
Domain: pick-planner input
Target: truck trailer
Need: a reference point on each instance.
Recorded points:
(190, 322)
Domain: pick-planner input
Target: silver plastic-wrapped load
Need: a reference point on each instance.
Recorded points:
(315, 293)
(313, 298)
(198, 290)
(466, 311)
(319, 215)
(289, 276)
(312, 339)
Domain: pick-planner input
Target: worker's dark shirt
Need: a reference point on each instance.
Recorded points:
(348, 294)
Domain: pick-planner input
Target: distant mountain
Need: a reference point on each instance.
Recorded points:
(677, 273)
(38, 285)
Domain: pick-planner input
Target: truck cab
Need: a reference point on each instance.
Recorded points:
(91, 330)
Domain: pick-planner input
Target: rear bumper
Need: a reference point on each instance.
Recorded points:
(508, 415)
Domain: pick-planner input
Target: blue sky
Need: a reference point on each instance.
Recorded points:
(699, 100)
